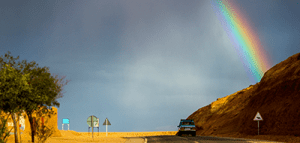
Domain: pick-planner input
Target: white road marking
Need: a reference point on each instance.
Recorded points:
(145, 140)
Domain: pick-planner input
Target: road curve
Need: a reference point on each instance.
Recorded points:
(189, 139)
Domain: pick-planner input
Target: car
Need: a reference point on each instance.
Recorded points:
(186, 127)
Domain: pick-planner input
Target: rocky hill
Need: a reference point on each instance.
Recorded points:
(276, 97)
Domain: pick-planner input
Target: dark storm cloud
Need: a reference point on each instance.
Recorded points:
(141, 61)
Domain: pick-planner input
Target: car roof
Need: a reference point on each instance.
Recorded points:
(184, 120)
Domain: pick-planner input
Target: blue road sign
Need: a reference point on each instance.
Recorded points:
(66, 121)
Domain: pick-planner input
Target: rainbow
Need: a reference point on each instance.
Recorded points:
(243, 38)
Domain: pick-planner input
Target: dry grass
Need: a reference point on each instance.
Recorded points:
(83, 137)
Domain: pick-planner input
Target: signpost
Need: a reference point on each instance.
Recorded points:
(258, 118)
(66, 121)
(93, 121)
(106, 122)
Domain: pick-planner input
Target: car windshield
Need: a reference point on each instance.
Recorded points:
(188, 123)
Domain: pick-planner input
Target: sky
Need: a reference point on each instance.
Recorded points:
(144, 65)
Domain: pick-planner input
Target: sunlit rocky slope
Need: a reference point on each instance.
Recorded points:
(276, 97)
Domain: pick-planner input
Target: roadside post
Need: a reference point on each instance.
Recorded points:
(258, 118)
(66, 121)
(106, 122)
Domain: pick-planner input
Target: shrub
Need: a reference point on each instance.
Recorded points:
(42, 132)
(4, 133)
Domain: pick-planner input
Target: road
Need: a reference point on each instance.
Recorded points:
(189, 139)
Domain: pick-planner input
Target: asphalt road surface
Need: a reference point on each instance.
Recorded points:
(190, 139)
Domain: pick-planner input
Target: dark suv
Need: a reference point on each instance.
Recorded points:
(186, 127)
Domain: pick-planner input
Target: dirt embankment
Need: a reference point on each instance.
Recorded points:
(276, 97)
